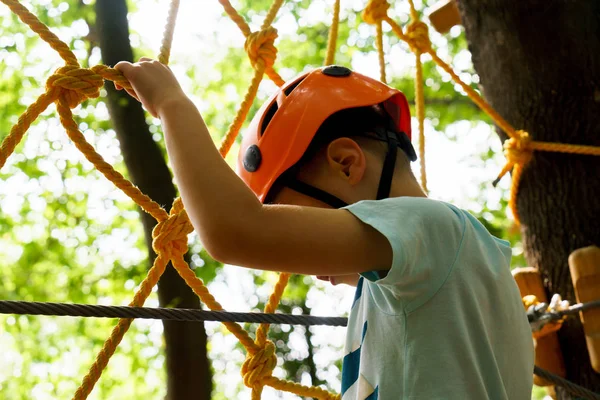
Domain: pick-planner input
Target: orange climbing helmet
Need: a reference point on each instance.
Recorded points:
(282, 130)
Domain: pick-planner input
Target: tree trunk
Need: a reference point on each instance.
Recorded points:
(188, 371)
(539, 67)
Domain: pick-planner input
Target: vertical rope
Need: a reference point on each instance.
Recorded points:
(380, 52)
(165, 48)
(420, 108)
(413, 11)
(333, 34)
(419, 98)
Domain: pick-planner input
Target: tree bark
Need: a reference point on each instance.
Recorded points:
(539, 67)
(188, 370)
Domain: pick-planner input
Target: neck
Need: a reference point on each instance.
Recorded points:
(405, 185)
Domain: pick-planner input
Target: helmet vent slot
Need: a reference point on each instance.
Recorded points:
(268, 117)
(274, 107)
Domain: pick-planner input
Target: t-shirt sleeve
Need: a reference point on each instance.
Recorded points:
(425, 236)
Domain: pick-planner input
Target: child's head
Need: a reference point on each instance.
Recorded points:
(330, 137)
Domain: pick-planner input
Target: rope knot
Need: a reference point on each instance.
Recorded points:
(375, 11)
(418, 36)
(259, 365)
(170, 235)
(75, 84)
(261, 48)
(518, 150)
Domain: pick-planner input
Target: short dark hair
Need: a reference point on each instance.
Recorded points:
(351, 122)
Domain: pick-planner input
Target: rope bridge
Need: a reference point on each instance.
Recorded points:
(71, 84)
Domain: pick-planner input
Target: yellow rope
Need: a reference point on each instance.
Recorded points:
(70, 85)
(165, 48)
(25, 120)
(373, 14)
(519, 147)
(241, 23)
(416, 30)
(42, 30)
(261, 358)
(333, 34)
(420, 106)
(519, 151)
(379, 39)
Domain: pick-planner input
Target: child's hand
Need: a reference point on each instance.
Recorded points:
(154, 85)
(351, 280)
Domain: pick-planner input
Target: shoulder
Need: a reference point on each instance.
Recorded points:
(410, 213)
(425, 236)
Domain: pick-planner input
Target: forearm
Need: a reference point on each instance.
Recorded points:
(233, 225)
(215, 198)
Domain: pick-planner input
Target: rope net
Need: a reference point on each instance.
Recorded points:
(71, 84)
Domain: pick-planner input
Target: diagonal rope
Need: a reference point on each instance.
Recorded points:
(68, 87)
(42, 30)
(570, 387)
(245, 29)
(519, 147)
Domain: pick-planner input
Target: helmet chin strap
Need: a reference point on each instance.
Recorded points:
(389, 163)
(315, 193)
(385, 182)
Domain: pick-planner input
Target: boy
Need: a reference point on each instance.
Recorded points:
(436, 313)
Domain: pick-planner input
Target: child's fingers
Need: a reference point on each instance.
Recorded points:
(123, 66)
(146, 59)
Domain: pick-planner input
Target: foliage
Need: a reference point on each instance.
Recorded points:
(67, 235)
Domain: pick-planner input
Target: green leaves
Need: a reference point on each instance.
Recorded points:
(67, 235)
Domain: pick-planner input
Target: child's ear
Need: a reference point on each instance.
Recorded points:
(348, 159)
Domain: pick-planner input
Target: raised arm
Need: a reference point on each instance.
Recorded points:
(234, 227)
